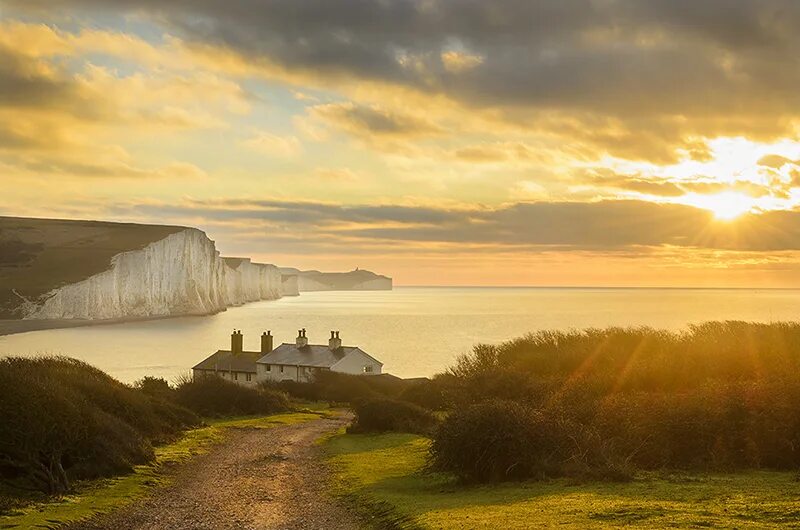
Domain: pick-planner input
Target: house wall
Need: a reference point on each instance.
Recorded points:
(354, 363)
(239, 378)
(302, 374)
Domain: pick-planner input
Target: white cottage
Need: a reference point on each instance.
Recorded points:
(299, 361)
(294, 362)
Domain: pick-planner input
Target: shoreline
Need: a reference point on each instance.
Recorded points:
(16, 327)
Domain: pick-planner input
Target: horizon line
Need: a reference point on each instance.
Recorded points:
(616, 287)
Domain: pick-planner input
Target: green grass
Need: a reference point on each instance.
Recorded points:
(101, 496)
(383, 476)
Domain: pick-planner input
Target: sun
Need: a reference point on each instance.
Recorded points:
(725, 206)
(728, 206)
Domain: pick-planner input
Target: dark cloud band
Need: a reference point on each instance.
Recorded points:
(608, 225)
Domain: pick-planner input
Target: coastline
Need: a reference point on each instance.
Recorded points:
(15, 327)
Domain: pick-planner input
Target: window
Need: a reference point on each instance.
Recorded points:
(249, 377)
(281, 368)
(269, 368)
(368, 369)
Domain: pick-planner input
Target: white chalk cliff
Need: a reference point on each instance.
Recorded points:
(181, 274)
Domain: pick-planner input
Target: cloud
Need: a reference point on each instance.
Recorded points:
(675, 188)
(47, 167)
(337, 174)
(372, 121)
(456, 62)
(272, 144)
(658, 76)
(564, 226)
(493, 152)
(776, 161)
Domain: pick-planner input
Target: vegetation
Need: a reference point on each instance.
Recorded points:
(382, 415)
(719, 396)
(383, 477)
(337, 387)
(62, 420)
(501, 440)
(99, 496)
(215, 397)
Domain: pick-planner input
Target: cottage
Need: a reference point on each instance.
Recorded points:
(236, 364)
(298, 361)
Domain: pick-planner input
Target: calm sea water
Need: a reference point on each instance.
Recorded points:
(414, 330)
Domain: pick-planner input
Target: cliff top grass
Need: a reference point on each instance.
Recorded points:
(100, 496)
(383, 476)
(38, 255)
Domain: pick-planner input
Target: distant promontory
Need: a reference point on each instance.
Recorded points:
(355, 280)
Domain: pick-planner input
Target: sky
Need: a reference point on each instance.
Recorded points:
(441, 142)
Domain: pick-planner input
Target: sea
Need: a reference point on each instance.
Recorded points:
(414, 331)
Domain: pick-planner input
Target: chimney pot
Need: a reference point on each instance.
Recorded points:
(301, 341)
(334, 343)
(237, 342)
(266, 343)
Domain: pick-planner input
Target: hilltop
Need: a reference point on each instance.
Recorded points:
(39, 255)
(355, 280)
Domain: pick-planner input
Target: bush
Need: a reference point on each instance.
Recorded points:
(716, 396)
(61, 420)
(504, 440)
(382, 415)
(432, 394)
(214, 396)
(343, 388)
(154, 386)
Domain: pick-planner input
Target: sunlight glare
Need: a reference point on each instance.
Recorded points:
(725, 206)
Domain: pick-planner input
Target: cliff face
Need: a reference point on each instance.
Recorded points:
(181, 274)
(92, 270)
(289, 285)
(249, 282)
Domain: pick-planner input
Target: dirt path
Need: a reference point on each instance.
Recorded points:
(256, 479)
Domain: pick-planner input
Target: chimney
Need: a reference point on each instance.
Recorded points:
(334, 343)
(266, 342)
(237, 342)
(302, 340)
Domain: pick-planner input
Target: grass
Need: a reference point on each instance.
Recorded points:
(383, 476)
(101, 496)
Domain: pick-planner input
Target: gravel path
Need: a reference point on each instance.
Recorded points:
(256, 479)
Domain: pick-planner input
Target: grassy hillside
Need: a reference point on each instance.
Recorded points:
(37, 255)
(382, 476)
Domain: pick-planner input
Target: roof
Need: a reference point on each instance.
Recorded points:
(316, 355)
(226, 361)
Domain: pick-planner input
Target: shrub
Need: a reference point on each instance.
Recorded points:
(343, 388)
(154, 386)
(504, 440)
(716, 396)
(382, 415)
(214, 396)
(431, 394)
(61, 420)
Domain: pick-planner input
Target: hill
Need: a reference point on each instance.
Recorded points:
(39, 255)
(355, 280)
